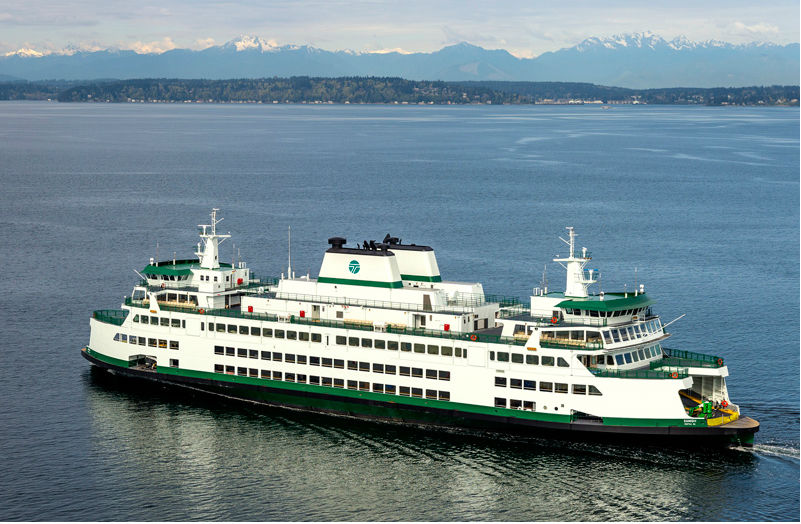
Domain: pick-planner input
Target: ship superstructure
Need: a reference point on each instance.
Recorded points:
(380, 334)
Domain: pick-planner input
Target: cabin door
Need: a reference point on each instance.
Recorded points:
(315, 312)
(419, 321)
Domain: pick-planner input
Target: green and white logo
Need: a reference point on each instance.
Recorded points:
(353, 267)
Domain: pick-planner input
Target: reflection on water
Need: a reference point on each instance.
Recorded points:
(239, 461)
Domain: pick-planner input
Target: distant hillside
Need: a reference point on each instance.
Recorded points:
(637, 61)
(374, 90)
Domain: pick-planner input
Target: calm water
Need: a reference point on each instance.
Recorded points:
(703, 203)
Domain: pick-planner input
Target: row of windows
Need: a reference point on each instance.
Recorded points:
(550, 387)
(163, 321)
(535, 360)
(174, 278)
(387, 369)
(358, 385)
(636, 356)
(622, 313)
(623, 334)
(263, 332)
(430, 349)
(516, 404)
(142, 341)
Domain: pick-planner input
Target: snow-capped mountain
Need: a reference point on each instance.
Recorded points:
(638, 60)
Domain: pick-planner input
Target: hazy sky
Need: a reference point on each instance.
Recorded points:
(526, 28)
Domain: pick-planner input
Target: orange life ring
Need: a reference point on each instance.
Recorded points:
(473, 338)
(720, 362)
(674, 375)
(725, 403)
(201, 311)
(554, 320)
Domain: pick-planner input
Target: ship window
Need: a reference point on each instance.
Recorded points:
(579, 389)
(339, 383)
(242, 352)
(560, 388)
(175, 322)
(380, 344)
(328, 382)
(265, 355)
(254, 372)
(417, 372)
(279, 333)
(392, 345)
(243, 330)
(520, 329)
(615, 335)
(503, 356)
(219, 327)
(292, 335)
(607, 337)
(532, 359)
(635, 356)
(444, 375)
(300, 379)
(636, 330)
(627, 356)
(253, 353)
(276, 375)
(624, 335)
(464, 353)
(314, 361)
(229, 370)
(405, 371)
(136, 318)
(562, 363)
(267, 332)
(314, 379)
(364, 386)
(457, 352)
(277, 356)
(352, 364)
(405, 391)
(154, 321)
(444, 395)
(303, 336)
(327, 362)
(173, 344)
(431, 374)
(593, 313)
(353, 341)
(515, 404)
(339, 314)
(431, 394)
(341, 340)
(173, 362)
(406, 346)
(417, 392)
(316, 337)
(447, 351)
(364, 366)
(165, 322)
(515, 383)
(530, 385)
(351, 384)
(642, 354)
(546, 386)
(389, 389)
(232, 328)
(132, 339)
(500, 382)
(302, 359)
(389, 369)
(378, 388)
(145, 319)
(378, 368)
(151, 342)
(527, 404)
(215, 278)
(339, 363)
(594, 391)
(219, 368)
(229, 351)
(289, 357)
(433, 350)
(517, 358)
(367, 343)
(419, 348)
(619, 360)
(500, 402)
(547, 361)
(492, 355)
(242, 372)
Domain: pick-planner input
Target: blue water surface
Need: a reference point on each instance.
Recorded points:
(701, 205)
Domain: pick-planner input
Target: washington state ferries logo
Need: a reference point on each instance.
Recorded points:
(353, 267)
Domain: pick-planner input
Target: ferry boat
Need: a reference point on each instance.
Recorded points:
(379, 334)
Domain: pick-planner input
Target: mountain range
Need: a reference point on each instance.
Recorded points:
(640, 60)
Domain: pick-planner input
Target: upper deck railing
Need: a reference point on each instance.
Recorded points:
(690, 359)
(111, 316)
(670, 373)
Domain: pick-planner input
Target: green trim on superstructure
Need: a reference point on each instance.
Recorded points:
(420, 278)
(611, 302)
(354, 282)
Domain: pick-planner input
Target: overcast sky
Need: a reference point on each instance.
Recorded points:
(524, 27)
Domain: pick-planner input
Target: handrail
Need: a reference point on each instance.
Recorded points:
(701, 358)
(111, 316)
(643, 373)
(570, 344)
(370, 303)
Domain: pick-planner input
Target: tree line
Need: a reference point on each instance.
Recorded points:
(382, 90)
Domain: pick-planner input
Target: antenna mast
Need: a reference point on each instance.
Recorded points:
(289, 254)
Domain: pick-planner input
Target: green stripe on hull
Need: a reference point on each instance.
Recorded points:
(420, 278)
(354, 282)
